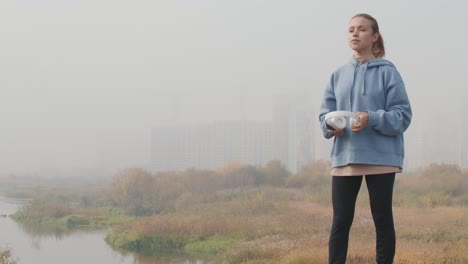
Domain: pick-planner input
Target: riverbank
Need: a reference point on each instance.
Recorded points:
(63, 216)
(263, 225)
(259, 231)
(241, 214)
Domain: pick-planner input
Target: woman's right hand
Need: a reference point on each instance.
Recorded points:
(337, 132)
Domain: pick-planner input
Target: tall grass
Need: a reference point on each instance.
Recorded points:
(6, 256)
(297, 232)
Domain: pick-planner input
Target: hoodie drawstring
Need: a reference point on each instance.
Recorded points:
(363, 76)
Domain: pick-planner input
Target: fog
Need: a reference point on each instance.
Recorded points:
(83, 82)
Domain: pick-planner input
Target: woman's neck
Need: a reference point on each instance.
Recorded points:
(363, 58)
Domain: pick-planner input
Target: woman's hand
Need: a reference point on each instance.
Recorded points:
(337, 132)
(362, 123)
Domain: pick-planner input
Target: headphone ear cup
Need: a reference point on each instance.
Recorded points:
(353, 122)
(337, 122)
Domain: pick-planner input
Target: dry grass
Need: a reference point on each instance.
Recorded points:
(297, 232)
(429, 235)
(6, 256)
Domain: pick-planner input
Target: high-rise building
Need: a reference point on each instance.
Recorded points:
(463, 139)
(245, 141)
(293, 130)
(301, 135)
(180, 147)
(289, 138)
(322, 146)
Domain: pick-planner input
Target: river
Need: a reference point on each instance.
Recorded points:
(32, 245)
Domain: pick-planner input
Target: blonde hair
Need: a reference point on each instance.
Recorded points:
(378, 48)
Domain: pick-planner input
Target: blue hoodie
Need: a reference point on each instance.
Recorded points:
(375, 87)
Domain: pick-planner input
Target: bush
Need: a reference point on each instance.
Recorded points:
(446, 178)
(6, 256)
(435, 185)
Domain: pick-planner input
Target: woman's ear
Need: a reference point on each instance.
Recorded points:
(375, 37)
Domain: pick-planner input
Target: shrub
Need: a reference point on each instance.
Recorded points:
(6, 256)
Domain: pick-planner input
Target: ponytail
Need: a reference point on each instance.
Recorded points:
(378, 47)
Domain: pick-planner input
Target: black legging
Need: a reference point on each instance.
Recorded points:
(345, 190)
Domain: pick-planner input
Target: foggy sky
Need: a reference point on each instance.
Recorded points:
(83, 82)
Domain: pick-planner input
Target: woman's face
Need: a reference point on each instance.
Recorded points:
(361, 36)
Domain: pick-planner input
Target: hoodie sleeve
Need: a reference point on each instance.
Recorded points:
(396, 117)
(328, 105)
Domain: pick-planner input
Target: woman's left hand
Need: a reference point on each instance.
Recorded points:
(362, 123)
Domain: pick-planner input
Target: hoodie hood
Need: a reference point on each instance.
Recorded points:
(377, 62)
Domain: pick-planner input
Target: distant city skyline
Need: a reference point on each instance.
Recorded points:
(287, 137)
(84, 82)
(293, 136)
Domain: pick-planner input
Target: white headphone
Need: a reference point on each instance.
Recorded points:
(337, 119)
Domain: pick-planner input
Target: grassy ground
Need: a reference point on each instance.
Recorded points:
(240, 214)
(294, 232)
(424, 235)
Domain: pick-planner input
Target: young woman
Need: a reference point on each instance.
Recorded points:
(373, 146)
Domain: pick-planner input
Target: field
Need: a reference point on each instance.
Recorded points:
(240, 214)
(256, 230)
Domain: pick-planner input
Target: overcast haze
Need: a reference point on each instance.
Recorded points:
(83, 82)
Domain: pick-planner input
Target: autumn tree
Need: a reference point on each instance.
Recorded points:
(314, 175)
(236, 175)
(275, 173)
(201, 181)
(135, 190)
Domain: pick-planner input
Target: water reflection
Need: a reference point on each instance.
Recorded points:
(169, 261)
(38, 233)
(52, 245)
(59, 233)
(166, 257)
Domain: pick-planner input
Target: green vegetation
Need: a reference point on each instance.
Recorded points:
(55, 211)
(68, 217)
(245, 214)
(160, 245)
